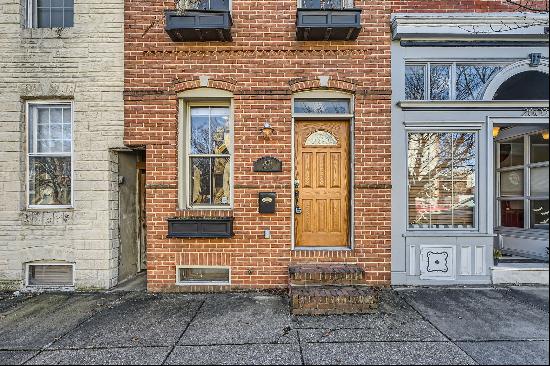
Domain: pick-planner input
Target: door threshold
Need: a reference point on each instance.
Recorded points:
(328, 249)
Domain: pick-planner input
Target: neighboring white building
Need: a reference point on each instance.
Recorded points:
(61, 121)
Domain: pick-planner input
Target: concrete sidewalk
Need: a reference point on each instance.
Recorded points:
(412, 326)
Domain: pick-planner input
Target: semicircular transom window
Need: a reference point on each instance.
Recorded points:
(527, 85)
(321, 138)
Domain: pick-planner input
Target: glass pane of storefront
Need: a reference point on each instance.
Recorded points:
(442, 180)
(539, 214)
(512, 214)
(511, 183)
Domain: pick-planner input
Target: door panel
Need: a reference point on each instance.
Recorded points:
(322, 173)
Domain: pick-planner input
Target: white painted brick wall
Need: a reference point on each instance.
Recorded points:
(84, 63)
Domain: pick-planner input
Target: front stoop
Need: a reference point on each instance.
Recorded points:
(326, 274)
(520, 273)
(330, 289)
(327, 300)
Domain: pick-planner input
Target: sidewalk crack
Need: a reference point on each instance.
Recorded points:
(185, 330)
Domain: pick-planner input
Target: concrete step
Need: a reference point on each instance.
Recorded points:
(331, 300)
(520, 273)
(323, 274)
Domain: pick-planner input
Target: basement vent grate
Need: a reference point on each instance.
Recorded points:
(204, 275)
(50, 275)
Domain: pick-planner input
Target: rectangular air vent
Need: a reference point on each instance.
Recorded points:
(50, 275)
(204, 275)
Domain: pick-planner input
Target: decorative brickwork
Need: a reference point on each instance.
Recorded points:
(263, 67)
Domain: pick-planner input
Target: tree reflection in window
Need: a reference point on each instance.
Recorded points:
(210, 156)
(415, 82)
(472, 80)
(442, 180)
(50, 148)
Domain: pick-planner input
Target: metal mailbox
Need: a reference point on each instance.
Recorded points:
(267, 202)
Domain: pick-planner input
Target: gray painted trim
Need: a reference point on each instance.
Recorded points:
(443, 43)
(479, 26)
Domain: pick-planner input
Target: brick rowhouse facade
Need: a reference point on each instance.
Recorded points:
(263, 66)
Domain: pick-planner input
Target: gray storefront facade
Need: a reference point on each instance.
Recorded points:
(469, 144)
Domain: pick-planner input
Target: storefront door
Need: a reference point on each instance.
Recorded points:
(322, 180)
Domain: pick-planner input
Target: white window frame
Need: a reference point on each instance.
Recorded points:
(32, 18)
(27, 273)
(28, 154)
(180, 282)
(476, 211)
(526, 198)
(187, 154)
(453, 77)
(209, 1)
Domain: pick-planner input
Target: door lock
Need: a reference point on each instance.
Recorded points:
(298, 210)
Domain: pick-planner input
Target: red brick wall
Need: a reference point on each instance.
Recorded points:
(262, 67)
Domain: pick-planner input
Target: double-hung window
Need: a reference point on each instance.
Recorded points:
(209, 156)
(50, 147)
(50, 13)
(442, 180)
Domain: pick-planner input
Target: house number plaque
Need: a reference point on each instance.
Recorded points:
(268, 164)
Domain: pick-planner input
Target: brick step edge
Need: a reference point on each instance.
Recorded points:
(325, 274)
(333, 300)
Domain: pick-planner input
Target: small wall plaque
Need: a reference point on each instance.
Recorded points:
(268, 164)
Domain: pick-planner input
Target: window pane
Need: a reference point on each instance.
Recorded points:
(200, 133)
(511, 183)
(442, 180)
(539, 149)
(539, 214)
(68, 17)
(43, 18)
(512, 153)
(539, 181)
(512, 214)
(440, 77)
(50, 180)
(221, 180)
(221, 133)
(472, 80)
(200, 181)
(322, 106)
(414, 82)
(219, 4)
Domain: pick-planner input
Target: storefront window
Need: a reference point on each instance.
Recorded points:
(523, 171)
(442, 180)
(210, 156)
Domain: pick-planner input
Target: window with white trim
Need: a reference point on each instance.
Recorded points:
(50, 155)
(442, 170)
(209, 156)
(50, 13)
(448, 81)
(522, 173)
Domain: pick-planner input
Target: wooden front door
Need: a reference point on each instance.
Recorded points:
(322, 184)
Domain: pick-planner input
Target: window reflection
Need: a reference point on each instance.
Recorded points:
(415, 82)
(442, 180)
(471, 80)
